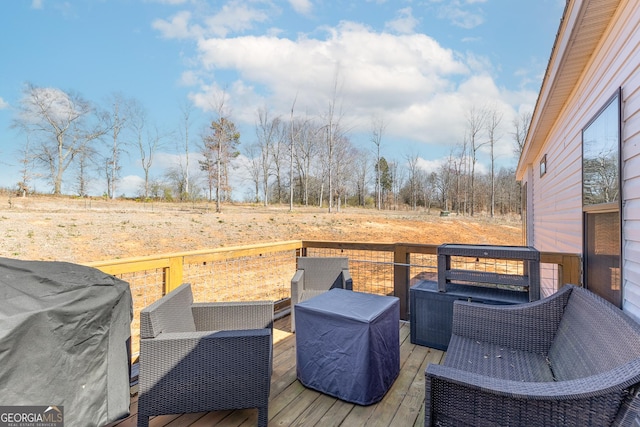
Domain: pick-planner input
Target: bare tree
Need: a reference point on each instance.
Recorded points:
(86, 161)
(117, 121)
(279, 154)
(458, 167)
(520, 129)
(254, 168)
(307, 145)
(476, 120)
(429, 181)
(343, 150)
(360, 175)
(443, 183)
(292, 148)
(378, 127)
(267, 130)
(333, 133)
(414, 179)
(186, 109)
(138, 117)
(147, 148)
(493, 120)
(64, 124)
(26, 163)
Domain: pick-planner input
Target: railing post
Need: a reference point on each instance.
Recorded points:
(173, 275)
(571, 270)
(401, 279)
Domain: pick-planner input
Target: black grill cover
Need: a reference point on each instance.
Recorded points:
(64, 340)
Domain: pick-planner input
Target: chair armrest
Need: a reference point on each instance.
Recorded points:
(297, 286)
(528, 327)
(595, 396)
(613, 381)
(224, 316)
(347, 281)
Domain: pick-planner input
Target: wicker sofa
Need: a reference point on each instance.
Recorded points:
(198, 357)
(570, 359)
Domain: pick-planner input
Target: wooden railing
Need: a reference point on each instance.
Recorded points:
(264, 271)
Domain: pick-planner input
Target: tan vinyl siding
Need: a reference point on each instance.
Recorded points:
(556, 197)
(558, 202)
(628, 33)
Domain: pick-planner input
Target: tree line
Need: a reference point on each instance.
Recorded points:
(299, 160)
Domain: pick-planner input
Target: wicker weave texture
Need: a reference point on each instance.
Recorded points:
(504, 365)
(205, 370)
(316, 275)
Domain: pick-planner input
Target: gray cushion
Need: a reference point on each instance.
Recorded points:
(593, 337)
(171, 313)
(497, 361)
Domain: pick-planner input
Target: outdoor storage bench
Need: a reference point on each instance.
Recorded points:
(569, 359)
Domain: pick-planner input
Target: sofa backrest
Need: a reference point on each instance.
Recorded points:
(593, 337)
(322, 273)
(171, 313)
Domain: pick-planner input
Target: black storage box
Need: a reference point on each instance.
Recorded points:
(431, 311)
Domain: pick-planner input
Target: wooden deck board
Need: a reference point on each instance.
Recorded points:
(292, 404)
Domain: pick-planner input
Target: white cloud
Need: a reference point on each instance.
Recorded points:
(37, 4)
(301, 6)
(178, 27)
(422, 89)
(236, 16)
(190, 78)
(3, 104)
(130, 186)
(401, 75)
(430, 166)
(404, 23)
(459, 15)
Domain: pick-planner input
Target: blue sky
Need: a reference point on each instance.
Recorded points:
(420, 65)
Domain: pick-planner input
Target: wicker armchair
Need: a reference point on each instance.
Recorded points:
(570, 359)
(315, 276)
(204, 356)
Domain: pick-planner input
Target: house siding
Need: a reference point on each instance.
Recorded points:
(628, 32)
(556, 209)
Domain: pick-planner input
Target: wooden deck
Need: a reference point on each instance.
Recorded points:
(291, 404)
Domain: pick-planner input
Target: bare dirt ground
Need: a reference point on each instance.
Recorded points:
(84, 230)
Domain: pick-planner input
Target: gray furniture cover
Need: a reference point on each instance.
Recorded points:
(64, 331)
(348, 344)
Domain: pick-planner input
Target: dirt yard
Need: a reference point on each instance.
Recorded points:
(84, 230)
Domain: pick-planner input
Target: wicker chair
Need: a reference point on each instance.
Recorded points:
(570, 359)
(204, 356)
(315, 276)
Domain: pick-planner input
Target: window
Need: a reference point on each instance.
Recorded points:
(601, 157)
(601, 202)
